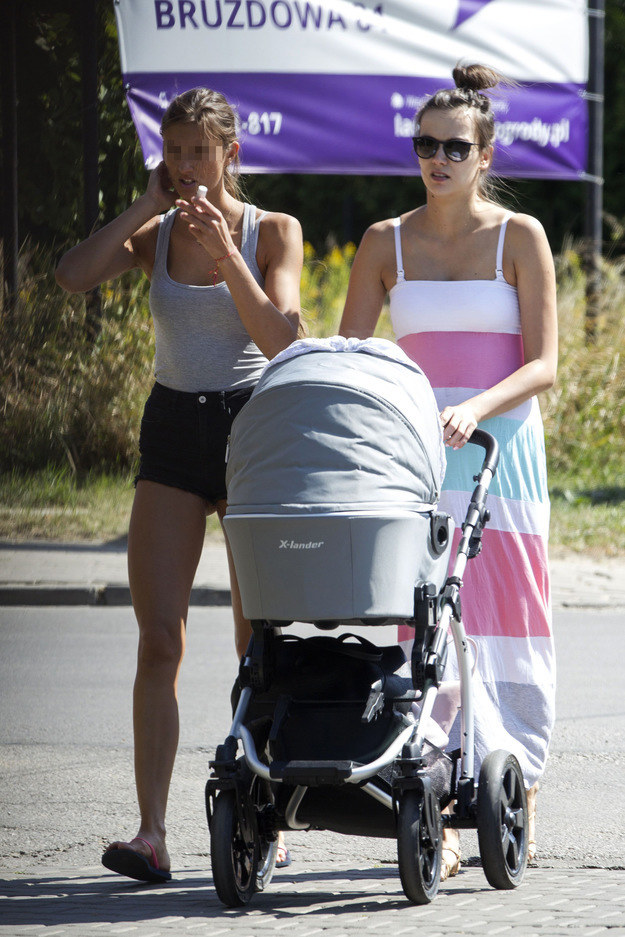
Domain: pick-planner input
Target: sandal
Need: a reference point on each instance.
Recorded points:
(450, 853)
(127, 861)
(284, 858)
(531, 822)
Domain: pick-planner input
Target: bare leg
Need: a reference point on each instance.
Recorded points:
(531, 821)
(242, 627)
(165, 541)
(450, 859)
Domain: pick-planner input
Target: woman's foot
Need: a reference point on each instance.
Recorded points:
(138, 859)
(450, 861)
(283, 859)
(531, 822)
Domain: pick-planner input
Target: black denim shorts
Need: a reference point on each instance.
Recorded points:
(184, 437)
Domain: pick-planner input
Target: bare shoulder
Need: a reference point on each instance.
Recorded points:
(380, 229)
(278, 227)
(525, 230)
(528, 250)
(379, 237)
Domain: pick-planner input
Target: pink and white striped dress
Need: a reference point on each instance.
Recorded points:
(466, 336)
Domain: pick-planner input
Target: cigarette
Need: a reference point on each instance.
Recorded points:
(202, 191)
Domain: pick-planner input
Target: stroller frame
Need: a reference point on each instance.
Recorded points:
(242, 818)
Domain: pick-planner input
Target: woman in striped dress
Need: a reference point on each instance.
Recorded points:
(472, 301)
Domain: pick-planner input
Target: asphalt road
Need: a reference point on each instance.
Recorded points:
(66, 742)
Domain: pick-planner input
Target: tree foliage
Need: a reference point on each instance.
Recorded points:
(50, 122)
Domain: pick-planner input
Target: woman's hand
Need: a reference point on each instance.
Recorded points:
(207, 225)
(271, 314)
(458, 425)
(160, 189)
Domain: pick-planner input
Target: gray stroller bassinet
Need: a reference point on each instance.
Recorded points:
(334, 472)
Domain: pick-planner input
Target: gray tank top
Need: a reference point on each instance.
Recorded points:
(201, 343)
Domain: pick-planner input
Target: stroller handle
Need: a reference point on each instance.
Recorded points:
(480, 437)
(477, 515)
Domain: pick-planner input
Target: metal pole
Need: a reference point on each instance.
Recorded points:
(89, 62)
(90, 144)
(594, 185)
(10, 241)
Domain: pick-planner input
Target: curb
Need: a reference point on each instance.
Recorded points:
(100, 594)
(93, 594)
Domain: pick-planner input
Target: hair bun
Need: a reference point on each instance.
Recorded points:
(475, 77)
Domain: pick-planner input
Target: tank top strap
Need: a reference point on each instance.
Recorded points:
(500, 243)
(398, 254)
(162, 241)
(249, 239)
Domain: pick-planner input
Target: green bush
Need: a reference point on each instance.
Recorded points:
(72, 400)
(584, 412)
(68, 397)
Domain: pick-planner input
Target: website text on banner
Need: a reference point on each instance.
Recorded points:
(333, 85)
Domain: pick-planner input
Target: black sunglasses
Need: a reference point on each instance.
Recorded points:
(455, 150)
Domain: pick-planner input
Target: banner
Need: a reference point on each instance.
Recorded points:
(332, 86)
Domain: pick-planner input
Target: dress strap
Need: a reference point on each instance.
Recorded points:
(502, 237)
(398, 255)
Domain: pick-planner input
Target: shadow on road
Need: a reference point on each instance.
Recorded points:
(84, 899)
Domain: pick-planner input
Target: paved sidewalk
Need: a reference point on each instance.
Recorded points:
(40, 573)
(316, 898)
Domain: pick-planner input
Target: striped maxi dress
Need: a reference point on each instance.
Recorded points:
(466, 336)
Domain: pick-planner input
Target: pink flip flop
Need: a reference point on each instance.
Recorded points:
(128, 862)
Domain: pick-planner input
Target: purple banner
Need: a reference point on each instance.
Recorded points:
(321, 126)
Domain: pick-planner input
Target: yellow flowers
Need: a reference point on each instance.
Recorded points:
(324, 288)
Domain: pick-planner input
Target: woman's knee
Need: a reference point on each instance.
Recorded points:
(161, 645)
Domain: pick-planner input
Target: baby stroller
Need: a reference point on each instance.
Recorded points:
(334, 474)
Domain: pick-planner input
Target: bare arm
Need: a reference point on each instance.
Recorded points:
(366, 291)
(535, 280)
(271, 316)
(117, 247)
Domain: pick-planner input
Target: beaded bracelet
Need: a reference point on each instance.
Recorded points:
(215, 272)
(225, 257)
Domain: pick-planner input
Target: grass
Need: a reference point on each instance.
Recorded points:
(71, 400)
(53, 505)
(589, 521)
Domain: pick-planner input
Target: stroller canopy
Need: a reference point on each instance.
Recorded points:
(337, 425)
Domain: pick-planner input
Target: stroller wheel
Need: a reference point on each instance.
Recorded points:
(502, 820)
(242, 860)
(419, 845)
